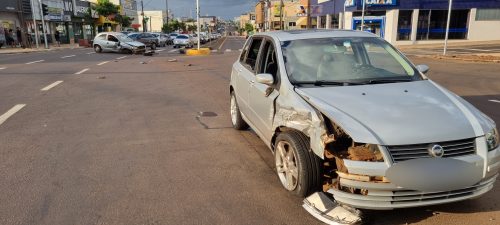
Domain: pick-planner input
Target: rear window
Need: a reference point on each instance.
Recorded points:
(133, 35)
(182, 37)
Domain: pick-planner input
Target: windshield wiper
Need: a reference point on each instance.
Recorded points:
(383, 81)
(326, 82)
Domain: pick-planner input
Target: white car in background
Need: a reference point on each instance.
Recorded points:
(183, 40)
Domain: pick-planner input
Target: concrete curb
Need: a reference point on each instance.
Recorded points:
(196, 52)
(458, 57)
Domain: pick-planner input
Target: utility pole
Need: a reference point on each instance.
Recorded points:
(447, 28)
(43, 24)
(281, 16)
(34, 23)
(166, 5)
(309, 25)
(143, 17)
(363, 16)
(23, 24)
(198, 21)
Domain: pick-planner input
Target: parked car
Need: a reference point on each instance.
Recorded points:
(146, 38)
(346, 113)
(183, 40)
(162, 39)
(117, 42)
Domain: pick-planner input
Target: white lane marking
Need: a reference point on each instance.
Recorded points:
(35, 62)
(173, 50)
(228, 50)
(240, 50)
(50, 86)
(479, 50)
(122, 57)
(100, 64)
(89, 53)
(2, 68)
(161, 50)
(497, 101)
(222, 43)
(11, 112)
(68, 56)
(82, 71)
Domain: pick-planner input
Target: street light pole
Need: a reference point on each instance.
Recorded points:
(43, 25)
(309, 14)
(447, 28)
(143, 17)
(34, 23)
(363, 16)
(343, 16)
(198, 21)
(166, 4)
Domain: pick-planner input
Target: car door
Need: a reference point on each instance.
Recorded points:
(262, 96)
(111, 43)
(245, 70)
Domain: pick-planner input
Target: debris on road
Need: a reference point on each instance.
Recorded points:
(142, 62)
(150, 53)
(172, 60)
(101, 77)
(207, 114)
(330, 212)
(189, 64)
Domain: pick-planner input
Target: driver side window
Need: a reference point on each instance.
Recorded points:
(253, 52)
(267, 62)
(112, 38)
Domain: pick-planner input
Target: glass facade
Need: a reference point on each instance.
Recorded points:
(432, 24)
(404, 25)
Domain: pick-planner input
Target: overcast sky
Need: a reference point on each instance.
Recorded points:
(227, 9)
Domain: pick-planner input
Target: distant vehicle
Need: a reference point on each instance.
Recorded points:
(183, 40)
(162, 39)
(146, 38)
(117, 42)
(173, 35)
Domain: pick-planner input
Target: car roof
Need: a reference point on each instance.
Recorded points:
(114, 33)
(309, 34)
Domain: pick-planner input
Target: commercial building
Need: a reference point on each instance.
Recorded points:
(283, 14)
(155, 20)
(415, 21)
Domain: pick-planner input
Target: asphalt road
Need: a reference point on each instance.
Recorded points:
(120, 143)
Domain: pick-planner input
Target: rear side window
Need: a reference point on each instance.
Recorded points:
(253, 52)
(101, 37)
(133, 36)
(182, 37)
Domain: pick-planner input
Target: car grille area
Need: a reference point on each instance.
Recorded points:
(451, 149)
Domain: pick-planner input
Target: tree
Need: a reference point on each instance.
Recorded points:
(192, 28)
(248, 28)
(88, 19)
(105, 8)
(125, 21)
(173, 25)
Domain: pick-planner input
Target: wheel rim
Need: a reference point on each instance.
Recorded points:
(286, 165)
(234, 109)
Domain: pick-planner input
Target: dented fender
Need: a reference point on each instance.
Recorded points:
(295, 113)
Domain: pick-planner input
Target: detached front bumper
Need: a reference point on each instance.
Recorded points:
(359, 190)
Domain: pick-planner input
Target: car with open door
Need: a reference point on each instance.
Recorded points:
(117, 42)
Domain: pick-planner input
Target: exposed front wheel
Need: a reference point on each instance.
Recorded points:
(236, 118)
(153, 46)
(97, 49)
(298, 168)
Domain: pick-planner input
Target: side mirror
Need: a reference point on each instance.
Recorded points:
(423, 68)
(264, 78)
(118, 44)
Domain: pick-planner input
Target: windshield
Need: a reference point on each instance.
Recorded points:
(355, 60)
(123, 38)
(182, 37)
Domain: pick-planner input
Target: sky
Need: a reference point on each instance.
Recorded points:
(226, 9)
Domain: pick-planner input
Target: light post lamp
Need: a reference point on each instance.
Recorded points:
(447, 28)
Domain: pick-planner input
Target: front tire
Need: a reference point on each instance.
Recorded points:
(97, 49)
(236, 118)
(153, 46)
(298, 168)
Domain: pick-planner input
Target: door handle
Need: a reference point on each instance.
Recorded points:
(252, 82)
(240, 70)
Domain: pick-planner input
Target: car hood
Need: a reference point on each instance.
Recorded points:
(398, 113)
(134, 43)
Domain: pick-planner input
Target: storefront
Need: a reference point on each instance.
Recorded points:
(416, 21)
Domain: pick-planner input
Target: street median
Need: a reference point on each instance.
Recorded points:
(198, 52)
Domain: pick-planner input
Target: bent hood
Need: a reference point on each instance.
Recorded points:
(397, 113)
(134, 43)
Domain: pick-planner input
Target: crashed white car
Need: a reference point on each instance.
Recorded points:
(348, 117)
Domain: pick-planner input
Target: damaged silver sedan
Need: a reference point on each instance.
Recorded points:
(350, 119)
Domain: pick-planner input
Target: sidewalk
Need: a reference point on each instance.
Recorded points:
(4, 50)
